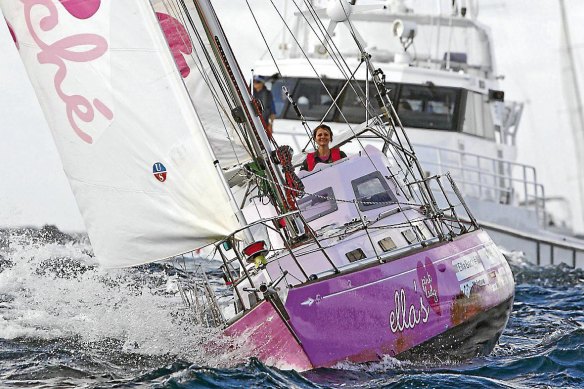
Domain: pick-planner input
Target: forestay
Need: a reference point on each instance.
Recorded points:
(131, 143)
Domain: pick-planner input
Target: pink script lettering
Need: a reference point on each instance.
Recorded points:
(81, 9)
(70, 49)
(178, 40)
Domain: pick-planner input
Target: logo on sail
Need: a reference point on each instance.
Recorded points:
(159, 171)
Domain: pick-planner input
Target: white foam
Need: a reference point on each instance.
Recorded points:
(386, 363)
(95, 306)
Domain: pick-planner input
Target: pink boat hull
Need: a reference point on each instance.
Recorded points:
(268, 338)
(438, 299)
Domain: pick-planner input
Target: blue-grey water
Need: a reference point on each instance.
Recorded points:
(67, 323)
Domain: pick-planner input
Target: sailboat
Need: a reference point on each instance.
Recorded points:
(166, 153)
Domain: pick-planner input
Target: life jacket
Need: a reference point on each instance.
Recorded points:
(311, 157)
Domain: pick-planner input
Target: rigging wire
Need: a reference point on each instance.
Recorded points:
(341, 64)
(200, 67)
(335, 55)
(316, 72)
(361, 50)
(187, 20)
(263, 37)
(393, 115)
(334, 52)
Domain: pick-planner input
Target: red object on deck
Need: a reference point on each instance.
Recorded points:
(254, 248)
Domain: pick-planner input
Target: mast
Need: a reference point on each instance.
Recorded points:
(577, 117)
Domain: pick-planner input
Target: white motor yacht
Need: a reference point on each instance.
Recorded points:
(441, 77)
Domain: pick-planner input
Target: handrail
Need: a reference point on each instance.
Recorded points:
(438, 148)
(531, 194)
(539, 188)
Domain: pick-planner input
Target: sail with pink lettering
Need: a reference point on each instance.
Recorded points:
(131, 142)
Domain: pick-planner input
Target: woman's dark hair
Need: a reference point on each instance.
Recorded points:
(324, 127)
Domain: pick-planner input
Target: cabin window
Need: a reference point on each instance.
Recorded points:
(428, 106)
(314, 101)
(478, 119)
(317, 205)
(418, 106)
(253, 299)
(421, 233)
(314, 98)
(410, 236)
(387, 244)
(372, 191)
(355, 255)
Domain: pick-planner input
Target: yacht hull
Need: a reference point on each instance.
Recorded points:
(439, 298)
(266, 336)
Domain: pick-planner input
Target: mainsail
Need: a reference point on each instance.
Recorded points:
(131, 142)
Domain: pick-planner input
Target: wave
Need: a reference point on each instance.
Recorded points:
(51, 289)
(527, 272)
(64, 321)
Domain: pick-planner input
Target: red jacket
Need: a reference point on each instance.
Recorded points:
(334, 156)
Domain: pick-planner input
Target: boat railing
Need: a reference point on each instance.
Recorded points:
(450, 210)
(445, 219)
(196, 291)
(488, 179)
(442, 215)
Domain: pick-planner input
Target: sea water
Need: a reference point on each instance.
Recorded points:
(65, 323)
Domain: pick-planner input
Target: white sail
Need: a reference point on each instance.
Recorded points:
(193, 54)
(131, 143)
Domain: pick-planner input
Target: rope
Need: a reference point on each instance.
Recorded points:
(294, 185)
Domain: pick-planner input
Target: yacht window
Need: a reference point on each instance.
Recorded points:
(387, 244)
(478, 119)
(280, 99)
(314, 99)
(253, 300)
(428, 106)
(353, 104)
(319, 204)
(372, 191)
(421, 233)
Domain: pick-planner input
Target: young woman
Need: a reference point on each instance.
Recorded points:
(322, 135)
